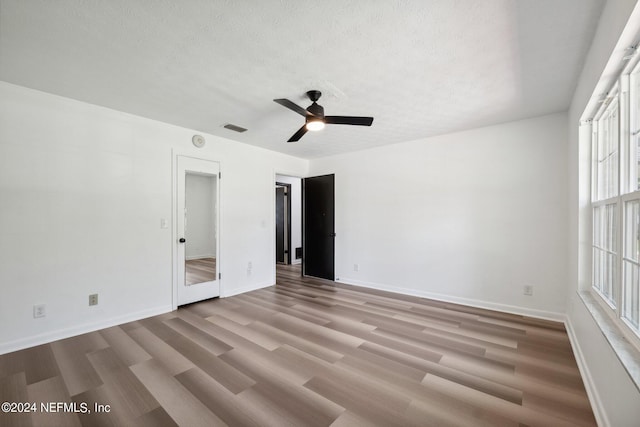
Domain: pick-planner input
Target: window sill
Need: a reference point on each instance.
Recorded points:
(628, 355)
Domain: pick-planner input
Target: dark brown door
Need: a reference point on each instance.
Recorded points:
(318, 226)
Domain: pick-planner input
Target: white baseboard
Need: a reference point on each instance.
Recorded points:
(522, 311)
(592, 392)
(60, 334)
(237, 291)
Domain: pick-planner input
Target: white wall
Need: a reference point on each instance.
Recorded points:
(469, 217)
(296, 213)
(83, 190)
(200, 232)
(616, 399)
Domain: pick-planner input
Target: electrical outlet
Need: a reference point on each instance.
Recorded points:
(39, 310)
(356, 267)
(528, 290)
(93, 299)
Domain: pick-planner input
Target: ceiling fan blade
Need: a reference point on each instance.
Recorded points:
(296, 136)
(348, 120)
(293, 107)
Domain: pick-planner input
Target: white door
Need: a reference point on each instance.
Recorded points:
(198, 246)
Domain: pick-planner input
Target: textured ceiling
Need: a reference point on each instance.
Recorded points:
(420, 67)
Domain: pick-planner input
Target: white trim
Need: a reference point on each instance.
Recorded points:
(616, 334)
(522, 311)
(244, 289)
(60, 334)
(195, 153)
(592, 391)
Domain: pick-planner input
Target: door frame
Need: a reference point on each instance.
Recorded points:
(288, 224)
(194, 153)
(274, 180)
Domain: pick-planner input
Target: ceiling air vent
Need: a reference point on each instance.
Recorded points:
(234, 128)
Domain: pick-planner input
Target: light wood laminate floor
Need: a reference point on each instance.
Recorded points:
(307, 353)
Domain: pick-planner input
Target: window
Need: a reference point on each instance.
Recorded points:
(605, 191)
(604, 251)
(631, 265)
(633, 157)
(606, 152)
(615, 195)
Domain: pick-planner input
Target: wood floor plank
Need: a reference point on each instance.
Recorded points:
(40, 364)
(13, 389)
(393, 342)
(127, 349)
(576, 412)
(163, 353)
(184, 408)
(230, 377)
(308, 346)
(498, 406)
(71, 358)
(349, 419)
(51, 390)
(302, 407)
(491, 387)
(332, 339)
(156, 418)
(232, 409)
(100, 396)
(437, 412)
(247, 333)
(269, 367)
(123, 389)
(308, 352)
(204, 340)
(364, 398)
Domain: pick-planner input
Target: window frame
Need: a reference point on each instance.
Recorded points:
(626, 192)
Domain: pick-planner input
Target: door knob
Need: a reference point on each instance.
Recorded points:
(182, 240)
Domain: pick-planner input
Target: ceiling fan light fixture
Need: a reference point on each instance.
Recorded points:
(314, 118)
(315, 125)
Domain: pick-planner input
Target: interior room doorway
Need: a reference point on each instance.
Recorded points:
(288, 217)
(197, 225)
(283, 223)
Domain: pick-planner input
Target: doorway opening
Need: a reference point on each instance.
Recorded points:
(283, 223)
(288, 215)
(197, 245)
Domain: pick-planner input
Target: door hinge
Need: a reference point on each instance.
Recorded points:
(219, 276)
(219, 175)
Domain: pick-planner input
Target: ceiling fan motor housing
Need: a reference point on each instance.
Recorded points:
(316, 110)
(314, 95)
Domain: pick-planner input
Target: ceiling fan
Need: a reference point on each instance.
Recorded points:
(314, 118)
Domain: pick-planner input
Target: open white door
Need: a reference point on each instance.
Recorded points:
(197, 226)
